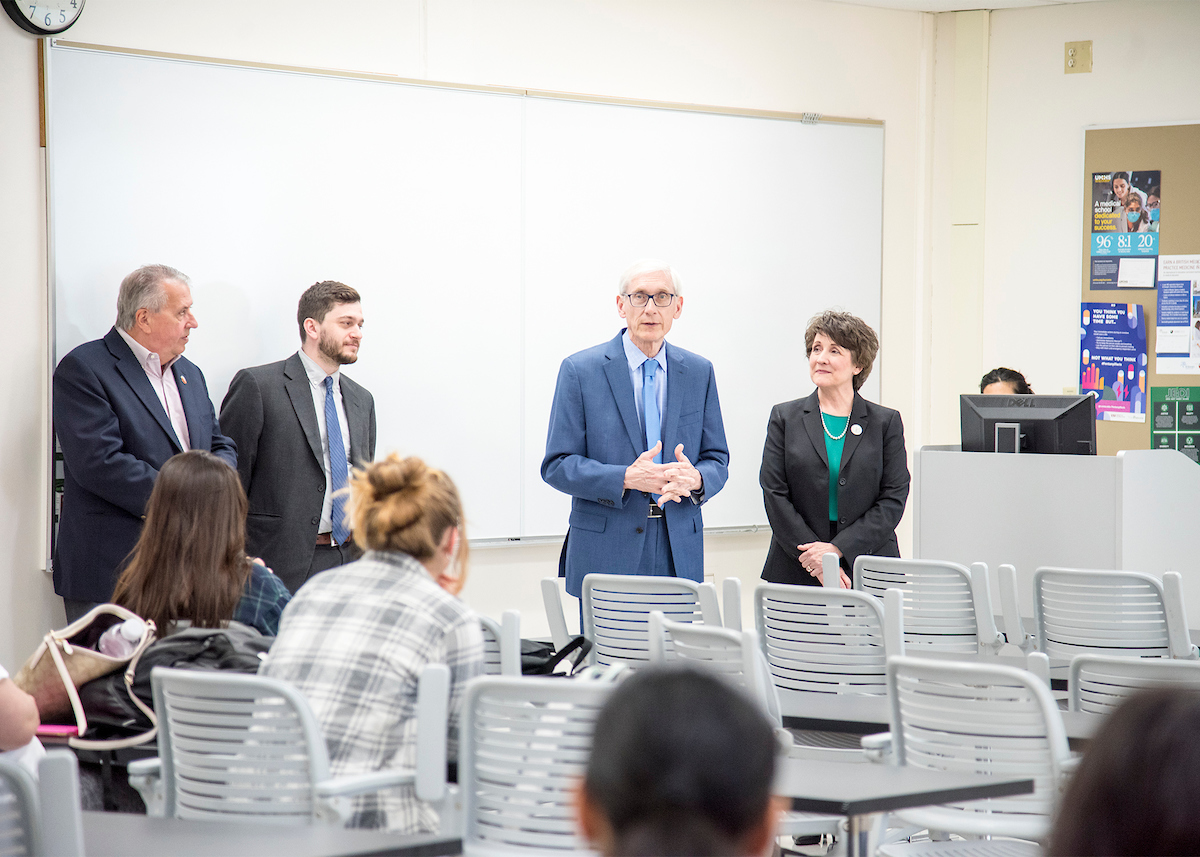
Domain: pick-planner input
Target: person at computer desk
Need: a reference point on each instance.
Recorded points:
(834, 471)
(1004, 382)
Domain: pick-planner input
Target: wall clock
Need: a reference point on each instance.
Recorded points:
(43, 17)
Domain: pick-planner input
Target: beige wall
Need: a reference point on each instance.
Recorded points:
(795, 55)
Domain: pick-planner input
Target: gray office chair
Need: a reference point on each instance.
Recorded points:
(237, 747)
(947, 606)
(1105, 612)
(1099, 683)
(524, 746)
(616, 612)
(502, 644)
(978, 718)
(43, 817)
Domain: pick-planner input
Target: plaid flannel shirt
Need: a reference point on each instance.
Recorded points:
(262, 601)
(354, 640)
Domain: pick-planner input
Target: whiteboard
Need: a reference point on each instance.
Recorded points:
(485, 231)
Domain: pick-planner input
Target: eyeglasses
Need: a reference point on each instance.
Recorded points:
(661, 299)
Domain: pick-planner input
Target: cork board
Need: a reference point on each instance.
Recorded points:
(1171, 149)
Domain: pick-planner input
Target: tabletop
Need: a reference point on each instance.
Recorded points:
(116, 834)
(859, 788)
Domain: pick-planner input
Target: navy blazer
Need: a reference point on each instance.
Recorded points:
(595, 435)
(115, 436)
(872, 485)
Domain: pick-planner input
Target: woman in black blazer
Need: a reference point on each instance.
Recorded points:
(857, 512)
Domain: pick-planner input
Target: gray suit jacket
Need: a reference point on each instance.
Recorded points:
(270, 414)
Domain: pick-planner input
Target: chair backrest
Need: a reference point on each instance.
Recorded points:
(947, 607)
(830, 641)
(524, 744)
(616, 612)
(58, 793)
(239, 747)
(1099, 683)
(1120, 613)
(734, 655)
(979, 718)
(731, 603)
(502, 643)
(20, 812)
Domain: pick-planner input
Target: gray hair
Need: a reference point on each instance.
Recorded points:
(144, 288)
(649, 266)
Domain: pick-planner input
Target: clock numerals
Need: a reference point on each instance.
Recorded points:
(43, 17)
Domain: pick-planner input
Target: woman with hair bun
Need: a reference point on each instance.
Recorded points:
(354, 639)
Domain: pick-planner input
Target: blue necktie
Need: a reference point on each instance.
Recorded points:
(337, 466)
(650, 407)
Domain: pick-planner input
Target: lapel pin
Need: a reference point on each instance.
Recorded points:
(856, 429)
(183, 378)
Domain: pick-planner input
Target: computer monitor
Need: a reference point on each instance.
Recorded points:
(1048, 424)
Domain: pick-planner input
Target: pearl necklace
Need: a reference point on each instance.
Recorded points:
(845, 428)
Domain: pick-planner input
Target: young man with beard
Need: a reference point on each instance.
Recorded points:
(291, 463)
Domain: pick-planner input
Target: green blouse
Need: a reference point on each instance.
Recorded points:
(833, 449)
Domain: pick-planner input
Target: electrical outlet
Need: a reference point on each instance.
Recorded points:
(1077, 57)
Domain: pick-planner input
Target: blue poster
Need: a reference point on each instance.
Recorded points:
(1125, 223)
(1113, 358)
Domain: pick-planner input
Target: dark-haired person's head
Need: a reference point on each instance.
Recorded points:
(1135, 790)
(1004, 382)
(331, 321)
(682, 764)
(190, 561)
(402, 504)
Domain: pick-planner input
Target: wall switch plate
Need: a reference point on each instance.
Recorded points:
(1077, 57)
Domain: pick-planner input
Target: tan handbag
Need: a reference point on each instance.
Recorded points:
(68, 659)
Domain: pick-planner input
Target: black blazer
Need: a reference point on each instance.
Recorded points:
(872, 485)
(269, 411)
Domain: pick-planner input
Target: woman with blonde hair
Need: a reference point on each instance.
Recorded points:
(355, 638)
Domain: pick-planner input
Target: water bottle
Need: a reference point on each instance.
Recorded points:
(119, 641)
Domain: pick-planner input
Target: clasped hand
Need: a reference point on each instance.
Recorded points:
(811, 556)
(671, 480)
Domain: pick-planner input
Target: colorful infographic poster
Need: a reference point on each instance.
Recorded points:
(1112, 350)
(1175, 420)
(1177, 333)
(1125, 222)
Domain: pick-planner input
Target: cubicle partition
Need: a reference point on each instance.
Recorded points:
(1136, 511)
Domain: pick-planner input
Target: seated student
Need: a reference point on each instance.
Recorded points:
(1004, 382)
(355, 638)
(189, 566)
(1135, 790)
(18, 722)
(681, 764)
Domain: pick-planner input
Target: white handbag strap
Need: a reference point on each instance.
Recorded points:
(130, 671)
(52, 643)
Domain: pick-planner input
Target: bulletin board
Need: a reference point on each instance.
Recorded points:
(1172, 150)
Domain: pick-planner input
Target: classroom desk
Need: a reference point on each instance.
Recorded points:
(867, 714)
(116, 834)
(856, 790)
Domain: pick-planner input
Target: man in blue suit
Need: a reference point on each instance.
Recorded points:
(123, 405)
(636, 439)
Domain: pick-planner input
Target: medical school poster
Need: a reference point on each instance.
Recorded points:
(1175, 420)
(1125, 223)
(1112, 351)
(1177, 332)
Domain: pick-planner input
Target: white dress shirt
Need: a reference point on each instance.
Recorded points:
(316, 383)
(162, 379)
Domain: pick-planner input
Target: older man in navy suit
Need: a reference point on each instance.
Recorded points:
(123, 405)
(636, 439)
